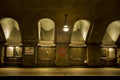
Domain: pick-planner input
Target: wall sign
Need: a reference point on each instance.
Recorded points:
(9, 52)
(61, 51)
(18, 52)
(29, 50)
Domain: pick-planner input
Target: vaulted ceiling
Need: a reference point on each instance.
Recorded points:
(27, 13)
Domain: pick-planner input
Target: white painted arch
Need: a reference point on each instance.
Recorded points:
(80, 30)
(11, 30)
(46, 30)
(112, 33)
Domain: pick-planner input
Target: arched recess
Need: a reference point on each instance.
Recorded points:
(13, 44)
(108, 47)
(112, 34)
(46, 46)
(11, 31)
(80, 31)
(46, 32)
(77, 51)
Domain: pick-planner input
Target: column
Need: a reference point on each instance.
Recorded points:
(62, 55)
(1, 53)
(93, 51)
(118, 54)
(29, 54)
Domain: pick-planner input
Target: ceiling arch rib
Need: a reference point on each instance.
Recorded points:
(80, 31)
(112, 34)
(46, 32)
(11, 31)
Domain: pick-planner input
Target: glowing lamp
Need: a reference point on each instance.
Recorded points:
(66, 27)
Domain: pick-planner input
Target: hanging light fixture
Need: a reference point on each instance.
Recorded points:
(65, 27)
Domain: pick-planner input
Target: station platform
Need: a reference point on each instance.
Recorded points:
(59, 71)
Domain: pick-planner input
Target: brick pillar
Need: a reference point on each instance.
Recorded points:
(93, 51)
(118, 54)
(1, 54)
(62, 55)
(29, 58)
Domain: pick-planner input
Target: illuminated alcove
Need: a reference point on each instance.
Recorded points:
(11, 31)
(108, 46)
(79, 34)
(112, 34)
(46, 32)
(12, 35)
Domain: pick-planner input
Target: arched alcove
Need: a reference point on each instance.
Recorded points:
(112, 34)
(108, 51)
(11, 31)
(80, 31)
(78, 54)
(46, 31)
(46, 46)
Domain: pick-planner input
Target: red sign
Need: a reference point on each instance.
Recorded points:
(61, 51)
